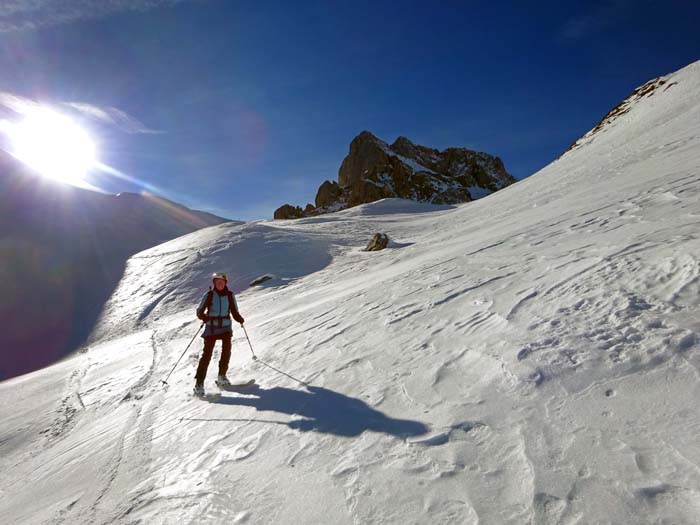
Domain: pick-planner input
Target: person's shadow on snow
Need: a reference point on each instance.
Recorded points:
(323, 410)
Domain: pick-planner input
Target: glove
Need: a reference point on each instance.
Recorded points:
(239, 318)
(204, 317)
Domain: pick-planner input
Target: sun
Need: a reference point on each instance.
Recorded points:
(53, 145)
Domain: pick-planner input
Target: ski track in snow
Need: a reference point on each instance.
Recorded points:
(531, 357)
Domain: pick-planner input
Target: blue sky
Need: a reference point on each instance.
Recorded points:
(254, 104)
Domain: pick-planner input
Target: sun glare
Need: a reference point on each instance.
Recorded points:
(53, 145)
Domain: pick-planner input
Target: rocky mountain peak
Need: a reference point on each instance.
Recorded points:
(365, 136)
(366, 151)
(373, 170)
(404, 146)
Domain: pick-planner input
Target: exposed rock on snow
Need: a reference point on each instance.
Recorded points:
(373, 170)
(646, 90)
(379, 241)
(262, 279)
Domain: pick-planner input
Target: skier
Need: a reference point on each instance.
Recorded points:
(215, 309)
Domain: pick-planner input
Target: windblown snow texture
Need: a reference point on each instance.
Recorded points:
(531, 357)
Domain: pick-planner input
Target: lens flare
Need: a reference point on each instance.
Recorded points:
(53, 145)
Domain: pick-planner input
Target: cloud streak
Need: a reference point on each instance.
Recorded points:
(16, 15)
(106, 115)
(111, 116)
(596, 18)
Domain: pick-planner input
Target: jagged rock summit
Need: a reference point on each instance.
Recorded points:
(375, 170)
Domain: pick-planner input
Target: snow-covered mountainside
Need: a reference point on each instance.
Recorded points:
(531, 357)
(63, 250)
(374, 170)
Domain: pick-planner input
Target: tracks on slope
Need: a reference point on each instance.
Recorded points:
(112, 497)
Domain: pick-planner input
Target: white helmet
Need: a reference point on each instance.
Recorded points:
(219, 275)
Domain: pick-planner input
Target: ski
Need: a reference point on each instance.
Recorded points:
(241, 384)
(206, 395)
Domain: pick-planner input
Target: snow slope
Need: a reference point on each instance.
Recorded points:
(531, 357)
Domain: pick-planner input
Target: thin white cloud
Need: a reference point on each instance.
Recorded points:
(578, 27)
(111, 116)
(596, 17)
(108, 115)
(15, 103)
(31, 14)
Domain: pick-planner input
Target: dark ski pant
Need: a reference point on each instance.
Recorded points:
(209, 343)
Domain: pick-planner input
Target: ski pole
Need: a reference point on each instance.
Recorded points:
(283, 373)
(165, 381)
(255, 357)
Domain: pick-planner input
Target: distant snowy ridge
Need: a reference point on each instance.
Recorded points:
(72, 245)
(375, 170)
(646, 90)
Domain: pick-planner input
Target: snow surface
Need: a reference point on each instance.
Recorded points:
(531, 357)
(477, 192)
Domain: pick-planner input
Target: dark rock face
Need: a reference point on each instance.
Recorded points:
(262, 279)
(379, 241)
(327, 194)
(287, 211)
(374, 170)
(365, 154)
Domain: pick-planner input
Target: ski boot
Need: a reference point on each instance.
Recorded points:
(199, 389)
(223, 382)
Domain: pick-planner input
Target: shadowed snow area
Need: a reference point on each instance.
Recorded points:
(531, 357)
(71, 244)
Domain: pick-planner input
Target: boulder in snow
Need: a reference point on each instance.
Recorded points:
(378, 242)
(262, 279)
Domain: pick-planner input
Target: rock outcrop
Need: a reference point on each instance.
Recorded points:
(287, 211)
(375, 170)
(327, 194)
(379, 241)
(262, 279)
